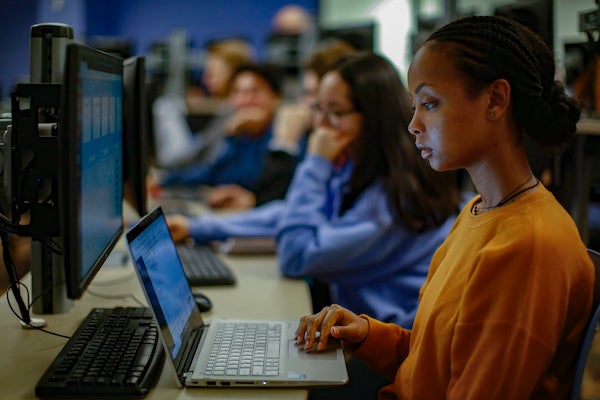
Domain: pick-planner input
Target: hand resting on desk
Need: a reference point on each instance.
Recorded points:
(179, 227)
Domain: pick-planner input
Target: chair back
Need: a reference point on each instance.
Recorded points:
(595, 256)
(590, 331)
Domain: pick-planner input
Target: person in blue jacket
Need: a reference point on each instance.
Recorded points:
(255, 96)
(364, 213)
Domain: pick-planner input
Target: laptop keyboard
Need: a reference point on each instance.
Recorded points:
(203, 267)
(246, 349)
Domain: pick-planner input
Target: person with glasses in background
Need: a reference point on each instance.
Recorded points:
(287, 147)
(333, 116)
(363, 213)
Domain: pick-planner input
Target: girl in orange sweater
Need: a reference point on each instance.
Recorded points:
(508, 294)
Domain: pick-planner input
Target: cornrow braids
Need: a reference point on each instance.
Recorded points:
(486, 48)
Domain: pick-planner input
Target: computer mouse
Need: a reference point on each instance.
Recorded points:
(203, 302)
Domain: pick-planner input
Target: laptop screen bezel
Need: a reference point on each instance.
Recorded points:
(194, 322)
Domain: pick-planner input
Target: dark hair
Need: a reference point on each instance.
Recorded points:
(272, 74)
(421, 197)
(486, 48)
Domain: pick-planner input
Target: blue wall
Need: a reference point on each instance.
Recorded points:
(203, 20)
(141, 21)
(18, 16)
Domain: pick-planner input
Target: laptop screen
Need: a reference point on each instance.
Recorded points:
(166, 286)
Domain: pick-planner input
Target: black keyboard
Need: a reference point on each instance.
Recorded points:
(203, 267)
(115, 352)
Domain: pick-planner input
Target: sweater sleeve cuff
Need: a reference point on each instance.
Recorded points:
(373, 341)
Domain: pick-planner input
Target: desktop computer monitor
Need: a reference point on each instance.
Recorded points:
(135, 133)
(91, 169)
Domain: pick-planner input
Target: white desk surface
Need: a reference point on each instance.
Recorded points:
(260, 293)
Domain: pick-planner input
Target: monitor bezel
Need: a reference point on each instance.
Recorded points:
(69, 172)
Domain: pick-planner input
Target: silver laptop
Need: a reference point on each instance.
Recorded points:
(218, 354)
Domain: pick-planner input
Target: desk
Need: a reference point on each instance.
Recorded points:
(260, 293)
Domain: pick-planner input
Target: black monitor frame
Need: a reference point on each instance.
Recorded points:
(135, 133)
(77, 275)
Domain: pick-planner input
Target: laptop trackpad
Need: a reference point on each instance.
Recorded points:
(297, 351)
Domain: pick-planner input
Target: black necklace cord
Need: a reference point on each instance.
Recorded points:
(510, 196)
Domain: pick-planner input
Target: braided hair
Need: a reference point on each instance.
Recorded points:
(486, 48)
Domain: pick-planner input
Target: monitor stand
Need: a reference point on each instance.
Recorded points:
(48, 281)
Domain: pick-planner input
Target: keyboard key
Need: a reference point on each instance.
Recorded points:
(259, 354)
(203, 267)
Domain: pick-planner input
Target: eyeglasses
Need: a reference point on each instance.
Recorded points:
(333, 116)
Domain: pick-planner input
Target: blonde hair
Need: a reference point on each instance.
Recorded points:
(235, 52)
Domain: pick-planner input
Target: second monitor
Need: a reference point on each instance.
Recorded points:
(135, 131)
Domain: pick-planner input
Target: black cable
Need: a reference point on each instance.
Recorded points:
(43, 292)
(4, 219)
(13, 278)
(28, 323)
(47, 242)
(11, 228)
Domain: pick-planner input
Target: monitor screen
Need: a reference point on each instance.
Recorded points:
(92, 162)
(135, 133)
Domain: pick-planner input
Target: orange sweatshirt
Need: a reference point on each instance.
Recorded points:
(502, 311)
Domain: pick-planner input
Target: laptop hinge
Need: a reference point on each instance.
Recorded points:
(188, 353)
